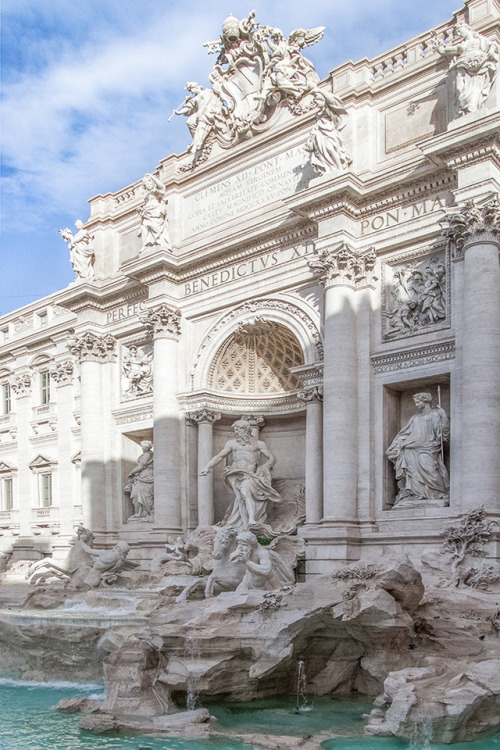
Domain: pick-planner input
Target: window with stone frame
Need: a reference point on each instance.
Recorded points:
(45, 490)
(7, 473)
(6, 398)
(257, 359)
(44, 387)
(6, 493)
(44, 469)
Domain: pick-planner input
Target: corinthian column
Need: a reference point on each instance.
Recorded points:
(342, 272)
(205, 420)
(92, 352)
(62, 376)
(164, 325)
(21, 386)
(313, 397)
(475, 234)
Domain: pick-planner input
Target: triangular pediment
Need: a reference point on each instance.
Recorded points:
(4, 467)
(42, 461)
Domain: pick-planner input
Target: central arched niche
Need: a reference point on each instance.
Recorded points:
(256, 360)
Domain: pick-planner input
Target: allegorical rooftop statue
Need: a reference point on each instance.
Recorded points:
(81, 251)
(257, 73)
(474, 66)
(154, 221)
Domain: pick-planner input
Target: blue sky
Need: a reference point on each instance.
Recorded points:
(87, 88)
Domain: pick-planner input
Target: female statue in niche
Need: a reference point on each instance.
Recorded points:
(141, 483)
(417, 453)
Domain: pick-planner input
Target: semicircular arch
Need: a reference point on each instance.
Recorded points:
(284, 312)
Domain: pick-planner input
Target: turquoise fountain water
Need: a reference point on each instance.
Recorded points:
(28, 722)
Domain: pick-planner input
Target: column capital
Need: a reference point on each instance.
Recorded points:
(203, 416)
(254, 420)
(92, 348)
(162, 322)
(343, 266)
(472, 224)
(21, 385)
(62, 372)
(311, 394)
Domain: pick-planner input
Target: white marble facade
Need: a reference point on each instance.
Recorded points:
(312, 262)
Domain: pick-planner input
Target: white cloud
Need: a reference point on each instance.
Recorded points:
(93, 118)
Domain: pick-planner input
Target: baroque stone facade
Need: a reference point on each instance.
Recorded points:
(319, 268)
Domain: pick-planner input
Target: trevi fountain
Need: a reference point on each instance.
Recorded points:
(250, 467)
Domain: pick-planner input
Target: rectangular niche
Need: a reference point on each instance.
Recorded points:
(399, 408)
(130, 452)
(416, 293)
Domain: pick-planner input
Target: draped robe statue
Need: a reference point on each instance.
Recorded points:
(417, 453)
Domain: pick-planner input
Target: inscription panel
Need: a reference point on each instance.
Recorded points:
(263, 183)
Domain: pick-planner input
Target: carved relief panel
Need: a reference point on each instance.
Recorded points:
(136, 370)
(415, 293)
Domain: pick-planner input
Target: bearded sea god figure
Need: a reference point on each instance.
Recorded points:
(474, 67)
(140, 485)
(250, 482)
(417, 454)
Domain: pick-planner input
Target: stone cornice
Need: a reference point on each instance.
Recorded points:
(301, 232)
(342, 266)
(128, 415)
(100, 297)
(152, 265)
(415, 357)
(92, 348)
(236, 405)
(162, 322)
(309, 375)
(156, 266)
(358, 198)
(475, 141)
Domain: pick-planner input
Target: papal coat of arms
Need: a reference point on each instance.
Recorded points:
(257, 73)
